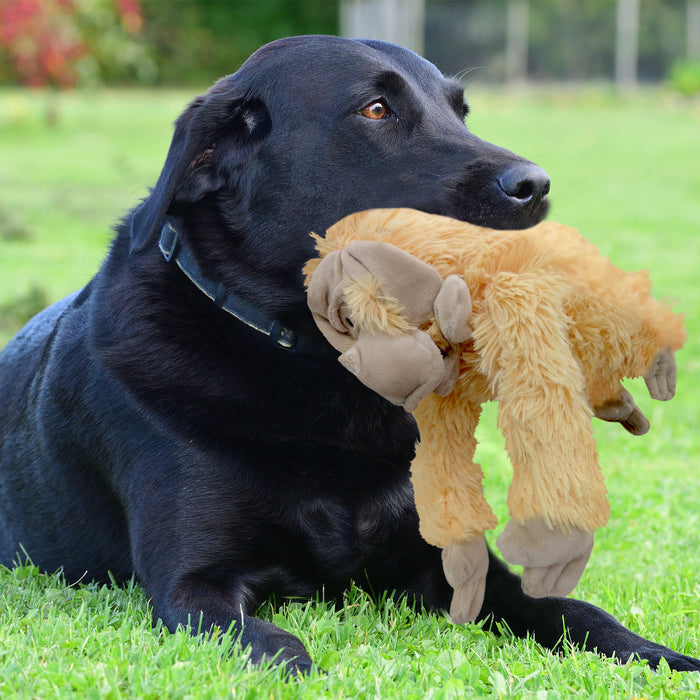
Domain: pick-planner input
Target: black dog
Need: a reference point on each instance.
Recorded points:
(180, 416)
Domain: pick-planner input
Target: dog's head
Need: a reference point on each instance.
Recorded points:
(313, 128)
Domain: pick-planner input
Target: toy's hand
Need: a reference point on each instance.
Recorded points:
(403, 369)
(553, 559)
(661, 383)
(661, 376)
(465, 565)
(624, 410)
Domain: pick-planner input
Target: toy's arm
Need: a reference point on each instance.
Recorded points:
(557, 496)
(448, 492)
(553, 559)
(661, 383)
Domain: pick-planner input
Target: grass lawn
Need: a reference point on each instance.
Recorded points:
(625, 171)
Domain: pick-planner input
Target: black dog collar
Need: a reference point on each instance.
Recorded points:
(246, 312)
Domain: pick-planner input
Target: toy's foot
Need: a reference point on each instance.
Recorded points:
(465, 565)
(553, 559)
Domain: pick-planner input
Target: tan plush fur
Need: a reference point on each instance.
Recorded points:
(374, 310)
(556, 328)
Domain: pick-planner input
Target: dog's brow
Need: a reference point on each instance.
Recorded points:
(389, 81)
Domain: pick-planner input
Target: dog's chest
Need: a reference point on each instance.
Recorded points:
(343, 533)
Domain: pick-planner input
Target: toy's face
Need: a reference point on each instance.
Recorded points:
(370, 299)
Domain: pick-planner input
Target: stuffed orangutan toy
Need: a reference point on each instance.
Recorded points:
(440, 316)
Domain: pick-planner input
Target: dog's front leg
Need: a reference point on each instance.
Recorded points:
(201, 606)
(202, 565)
(555, 622)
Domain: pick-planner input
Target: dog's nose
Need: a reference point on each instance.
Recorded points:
(525, 184)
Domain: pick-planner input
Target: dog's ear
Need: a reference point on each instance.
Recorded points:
(214, 137)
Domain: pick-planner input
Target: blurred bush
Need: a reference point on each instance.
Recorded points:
(198, 41)
(14, 314)
(40, 41)
(685, 77)
(86, 42)
(117, 48)
(63, 43)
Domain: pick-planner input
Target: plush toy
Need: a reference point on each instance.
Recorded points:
(440, 316)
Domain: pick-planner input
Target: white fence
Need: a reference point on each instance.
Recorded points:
(516, 40)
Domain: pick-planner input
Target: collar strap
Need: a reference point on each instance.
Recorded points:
(242, 309)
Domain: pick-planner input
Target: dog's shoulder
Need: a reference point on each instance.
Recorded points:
(22, 359)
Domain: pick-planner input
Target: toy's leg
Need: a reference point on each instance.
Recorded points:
(557, 496)
(449, 496)
(446, 482)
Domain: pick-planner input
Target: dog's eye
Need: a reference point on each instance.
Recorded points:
(375, 110)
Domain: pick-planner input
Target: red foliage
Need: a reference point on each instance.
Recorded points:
(41, 40)
(131, 15)
(42, 37)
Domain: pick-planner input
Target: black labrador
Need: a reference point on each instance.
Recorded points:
(180, 416)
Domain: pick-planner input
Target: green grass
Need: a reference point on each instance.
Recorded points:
(625, 171)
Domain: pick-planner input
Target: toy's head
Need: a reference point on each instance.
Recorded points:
(372, 300)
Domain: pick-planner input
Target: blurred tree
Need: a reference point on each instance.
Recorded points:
(197, 41)
(572, 39)
(117, 47)
(60, 43)
(41, 40)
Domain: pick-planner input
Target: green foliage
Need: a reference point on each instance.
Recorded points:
(205, 39)
(65, 42)
(634, 195)
(116, 50)
(14, 314)
(685, 78)
(585, 40)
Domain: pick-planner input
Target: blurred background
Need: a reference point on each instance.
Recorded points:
(192, 42)
(604, 94)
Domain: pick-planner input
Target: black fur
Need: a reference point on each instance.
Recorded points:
(144, 430)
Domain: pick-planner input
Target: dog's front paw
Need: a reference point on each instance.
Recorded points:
(267, 643)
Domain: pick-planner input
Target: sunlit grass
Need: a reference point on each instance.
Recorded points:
(625, 171)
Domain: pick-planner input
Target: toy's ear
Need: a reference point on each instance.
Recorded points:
(453, 310)
(325, 298)
(213, 138)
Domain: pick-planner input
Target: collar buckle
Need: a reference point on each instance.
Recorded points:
(169, 243)
(283, 337)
